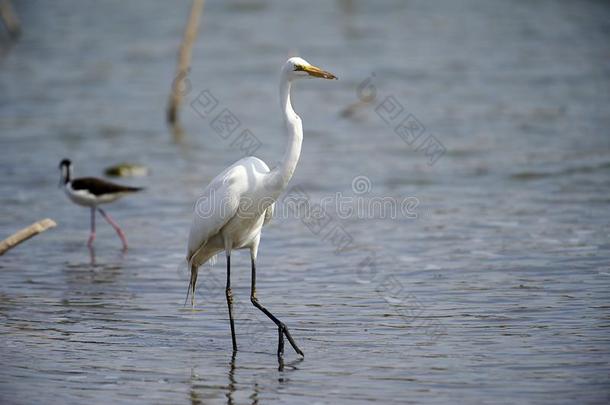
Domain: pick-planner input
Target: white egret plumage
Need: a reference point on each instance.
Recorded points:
(233, 208)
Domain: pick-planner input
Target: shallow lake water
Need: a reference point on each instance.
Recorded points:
(483, 279)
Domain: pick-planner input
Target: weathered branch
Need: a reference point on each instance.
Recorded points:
(9, 17)
(184, 60)
(25, 234)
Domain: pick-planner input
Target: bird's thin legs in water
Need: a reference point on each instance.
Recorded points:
(229, 294)
(192, 285)
(282, 328)
(280, 349)
(116, 227)
(91, 255)
(232, 387)
(92, 235)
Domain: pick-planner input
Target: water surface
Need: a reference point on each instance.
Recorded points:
(496, 293)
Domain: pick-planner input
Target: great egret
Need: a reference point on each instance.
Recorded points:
(91, 192)
(235, 205)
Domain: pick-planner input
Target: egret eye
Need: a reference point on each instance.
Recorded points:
(298, 68)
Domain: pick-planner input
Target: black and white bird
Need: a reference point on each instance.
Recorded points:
(91, 192)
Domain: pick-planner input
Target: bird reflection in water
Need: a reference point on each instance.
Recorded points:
(94, 264)
(259, 382)
(92, 255)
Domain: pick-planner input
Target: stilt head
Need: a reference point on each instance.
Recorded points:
(66, 171)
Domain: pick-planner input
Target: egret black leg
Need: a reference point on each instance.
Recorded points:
(229, 294)
(192, 286)
(92, 235)
(194, 273)
(282, 328)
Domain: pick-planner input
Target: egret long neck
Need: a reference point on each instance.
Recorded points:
(294, 130)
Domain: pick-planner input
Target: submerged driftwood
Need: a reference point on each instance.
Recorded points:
(25, 234)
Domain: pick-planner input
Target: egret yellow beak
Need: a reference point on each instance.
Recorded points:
(317, 72)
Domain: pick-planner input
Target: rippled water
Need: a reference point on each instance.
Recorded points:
(496, 293)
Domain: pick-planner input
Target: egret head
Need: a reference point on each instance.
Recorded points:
(299, 68)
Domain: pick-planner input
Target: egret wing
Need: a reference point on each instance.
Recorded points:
(215, 207)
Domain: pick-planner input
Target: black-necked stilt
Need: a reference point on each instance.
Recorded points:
(91, 192)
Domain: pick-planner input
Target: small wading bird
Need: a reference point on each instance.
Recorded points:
(233, 208)
(91, 192)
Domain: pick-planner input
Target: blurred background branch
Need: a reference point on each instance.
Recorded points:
(9, 18)
(184, 61)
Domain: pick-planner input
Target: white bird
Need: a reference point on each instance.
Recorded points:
(236, 204)
(91, 192)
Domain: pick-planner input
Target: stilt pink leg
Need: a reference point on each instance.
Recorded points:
(116, 227)
(92, 236)
(92, 255)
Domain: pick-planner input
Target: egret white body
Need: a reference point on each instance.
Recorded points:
(221, 214)
(237, 203)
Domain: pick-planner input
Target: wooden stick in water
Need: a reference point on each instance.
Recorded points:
(184, 61)
(9, 18)
(25, 234)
